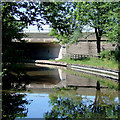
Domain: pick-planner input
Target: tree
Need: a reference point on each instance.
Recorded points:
(94, 14)
(104, 18)
(80, 14)
(113, 32)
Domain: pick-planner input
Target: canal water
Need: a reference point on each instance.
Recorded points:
(46, 94)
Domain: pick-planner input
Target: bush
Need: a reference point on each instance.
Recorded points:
(109, 55)
(117, 55)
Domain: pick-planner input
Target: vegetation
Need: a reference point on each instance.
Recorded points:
(93, 62)
(94, 15)
(113, 32)
(102, 17)
(67, 21)
(97, 18)
(109, 55)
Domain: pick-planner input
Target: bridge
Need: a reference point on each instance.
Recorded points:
(42, 46)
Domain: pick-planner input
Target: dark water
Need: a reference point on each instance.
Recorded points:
(41, 97)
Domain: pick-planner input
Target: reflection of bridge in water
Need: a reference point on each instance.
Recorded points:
(47, 76)
(44, 77)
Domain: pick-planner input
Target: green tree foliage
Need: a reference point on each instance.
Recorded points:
(10, 30)
(55, 13)
(71, 33)
(113, 30)
(94, 14)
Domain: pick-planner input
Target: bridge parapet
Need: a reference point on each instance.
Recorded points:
(38, 38)
(38, 35)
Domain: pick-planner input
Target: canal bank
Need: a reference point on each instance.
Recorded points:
(107, 73)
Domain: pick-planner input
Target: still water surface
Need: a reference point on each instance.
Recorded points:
(42, 98)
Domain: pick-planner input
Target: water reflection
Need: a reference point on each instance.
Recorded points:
(41, 76)
(102, 105)
(36, 76)
(69, 104)
(14, 105)
(38, 84)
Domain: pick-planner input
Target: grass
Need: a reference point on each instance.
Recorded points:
(105, 82)
(93, 62)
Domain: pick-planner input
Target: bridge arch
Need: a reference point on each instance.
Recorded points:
(42, 46)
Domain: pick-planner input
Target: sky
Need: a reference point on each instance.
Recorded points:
(33, 29)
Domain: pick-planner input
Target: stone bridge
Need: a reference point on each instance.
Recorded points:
(43, 47)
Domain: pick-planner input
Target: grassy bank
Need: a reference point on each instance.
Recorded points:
(95, 62)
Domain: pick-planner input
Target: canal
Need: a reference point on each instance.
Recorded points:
(53, 92)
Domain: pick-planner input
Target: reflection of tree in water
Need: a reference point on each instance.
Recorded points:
(119, 104)
(65, 108)
(15, 79)
(102, 107)
(13, 105)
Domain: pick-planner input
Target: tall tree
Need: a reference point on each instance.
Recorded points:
(80, 14)
(94, 14)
